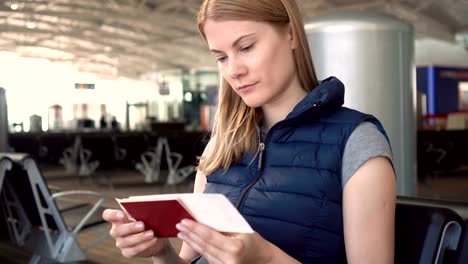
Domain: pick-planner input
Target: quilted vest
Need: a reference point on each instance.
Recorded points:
(290, 191)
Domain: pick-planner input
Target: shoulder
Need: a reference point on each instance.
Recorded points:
(346, 118)
(346, 115)
(367, 133)
(357, 122)
(365, 142)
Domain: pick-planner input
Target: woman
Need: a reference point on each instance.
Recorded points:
(312, 178)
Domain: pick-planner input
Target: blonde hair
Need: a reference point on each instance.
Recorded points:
(235, 131)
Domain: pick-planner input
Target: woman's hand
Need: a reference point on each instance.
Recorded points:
(131, 237)
(221, 248)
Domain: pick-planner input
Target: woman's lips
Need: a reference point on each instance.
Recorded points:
(246, 87)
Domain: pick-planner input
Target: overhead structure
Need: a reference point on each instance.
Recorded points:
(133, 37)
(113, 38)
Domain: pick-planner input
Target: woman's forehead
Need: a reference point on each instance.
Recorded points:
(227, 32)
(233, 25)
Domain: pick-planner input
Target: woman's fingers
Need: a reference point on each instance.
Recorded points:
(121, 227)
(114, 216)
(131, 237)
(134, 251)
(208, 241)
(209, 254)
(133, 240)
(127, 229)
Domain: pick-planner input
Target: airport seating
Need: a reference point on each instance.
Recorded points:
(462, 256)
(134, 144)
(4, 167)
(113, 149)
(35, 221)
(51, 146)
(77, 159)
(119, 153)
(427, 234)
(151, 162)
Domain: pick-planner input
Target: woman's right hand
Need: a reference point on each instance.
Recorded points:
(131, 237)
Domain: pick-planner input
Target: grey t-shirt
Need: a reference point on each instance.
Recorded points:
(364, 143)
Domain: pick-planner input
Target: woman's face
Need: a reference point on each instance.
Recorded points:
(255, 58)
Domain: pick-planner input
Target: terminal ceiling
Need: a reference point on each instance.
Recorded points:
(135, 37)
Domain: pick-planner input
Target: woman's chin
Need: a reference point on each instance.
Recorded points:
(253, 103)
(252, 100)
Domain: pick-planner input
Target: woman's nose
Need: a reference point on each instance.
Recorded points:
(236, 68)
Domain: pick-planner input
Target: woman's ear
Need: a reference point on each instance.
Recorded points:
(292, 37)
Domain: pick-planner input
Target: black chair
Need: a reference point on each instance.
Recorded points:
(4, 167)
(462, 257)
(33, 218)
(426, 234)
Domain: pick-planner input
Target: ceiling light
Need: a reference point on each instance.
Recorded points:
(188, 97)
(31, 25)
(14, 6)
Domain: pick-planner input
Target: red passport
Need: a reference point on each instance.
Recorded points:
(161, 213)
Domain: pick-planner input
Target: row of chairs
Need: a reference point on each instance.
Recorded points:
(151, 161)
(77, 161)
(36, 222)
(427, 231)
(111, 149)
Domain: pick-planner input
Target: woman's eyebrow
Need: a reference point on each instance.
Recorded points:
(234, 43)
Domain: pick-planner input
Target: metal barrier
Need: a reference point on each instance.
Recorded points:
(150, 164)
(35, 221)
(76, 159)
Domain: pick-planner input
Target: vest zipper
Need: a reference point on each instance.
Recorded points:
(261, 148)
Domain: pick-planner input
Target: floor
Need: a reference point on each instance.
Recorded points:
(124, 183)
(447, 187)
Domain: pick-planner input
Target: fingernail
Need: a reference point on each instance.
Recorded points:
(140, 226)
(120, 215)
(181, 226)
(181, 236)
(149, 233)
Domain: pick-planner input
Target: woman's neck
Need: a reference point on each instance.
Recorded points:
(278, 109)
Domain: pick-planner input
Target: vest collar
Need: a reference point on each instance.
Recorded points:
(329, 94)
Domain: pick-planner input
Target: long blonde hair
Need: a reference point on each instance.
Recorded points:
(235, 130)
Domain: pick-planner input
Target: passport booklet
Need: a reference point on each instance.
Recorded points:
(162, 212)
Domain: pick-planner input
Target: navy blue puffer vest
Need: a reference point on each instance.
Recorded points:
(290, 193)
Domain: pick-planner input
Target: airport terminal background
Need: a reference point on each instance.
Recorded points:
(128, 119)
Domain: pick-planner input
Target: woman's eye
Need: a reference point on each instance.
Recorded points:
(221, 59)
(246, 48)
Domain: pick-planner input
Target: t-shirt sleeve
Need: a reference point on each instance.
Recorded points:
(364, 143)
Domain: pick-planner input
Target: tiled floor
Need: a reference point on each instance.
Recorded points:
(448, 187)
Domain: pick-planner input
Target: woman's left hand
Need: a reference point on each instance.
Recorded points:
(225, 248)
